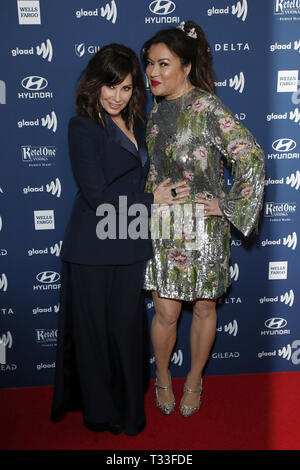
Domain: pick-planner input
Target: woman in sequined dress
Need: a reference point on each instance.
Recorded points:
(188, 133)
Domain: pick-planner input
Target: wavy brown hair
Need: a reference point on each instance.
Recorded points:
(194, 51)
(110, 66)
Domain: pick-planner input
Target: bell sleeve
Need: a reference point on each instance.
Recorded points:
(242, 205)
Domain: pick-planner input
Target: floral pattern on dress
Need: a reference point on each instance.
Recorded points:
(188, 138)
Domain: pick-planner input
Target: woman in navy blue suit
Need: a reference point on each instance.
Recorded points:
(102, 346)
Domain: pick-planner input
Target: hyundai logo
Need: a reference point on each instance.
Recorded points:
(162, 7)
(275, 323)
(34, 83)
(284, 145)
(47, 277)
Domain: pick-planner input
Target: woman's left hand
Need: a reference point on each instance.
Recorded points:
(211, 206)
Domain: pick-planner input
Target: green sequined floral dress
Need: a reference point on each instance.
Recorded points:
(186, 139)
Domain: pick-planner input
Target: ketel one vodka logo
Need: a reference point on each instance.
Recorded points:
(48, 280)
(46, 337)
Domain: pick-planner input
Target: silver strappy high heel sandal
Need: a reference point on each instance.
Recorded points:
(188, 410)
(165, 407)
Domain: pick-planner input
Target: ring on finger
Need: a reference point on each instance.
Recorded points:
(173, 192)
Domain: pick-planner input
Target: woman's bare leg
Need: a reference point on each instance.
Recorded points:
(163, 335)
(202, 336)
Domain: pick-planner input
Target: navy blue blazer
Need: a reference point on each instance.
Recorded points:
(106, 165)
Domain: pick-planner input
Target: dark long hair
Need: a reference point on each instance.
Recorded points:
(190, 50)
(110, 66)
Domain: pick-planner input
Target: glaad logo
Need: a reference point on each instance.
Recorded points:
(2, 92)
(162, 8)
(5, 342)
(240, 10)
(50, 309)
(234, 272)
(290, 241)
(231, 328)
(287, 298)
(293, 180)
(285, 47)
(177, 358)
(54, 188)
(45, 50)
(291, 352)
(3, 282)
(295, 116)
(54, 250)
(109, 12)
(50, 122)
(237, 82)
(80, 49)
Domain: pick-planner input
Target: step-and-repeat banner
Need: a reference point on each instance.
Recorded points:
(45, 45)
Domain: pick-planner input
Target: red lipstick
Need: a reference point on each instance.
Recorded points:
(155, 82)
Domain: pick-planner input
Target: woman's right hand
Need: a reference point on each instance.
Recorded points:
(163, 195)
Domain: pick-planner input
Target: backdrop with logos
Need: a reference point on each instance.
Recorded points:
(45, 47)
